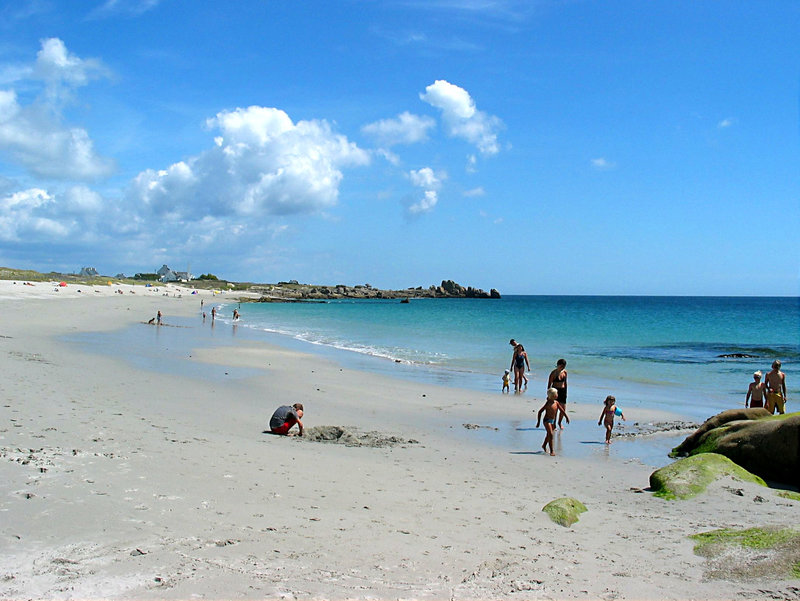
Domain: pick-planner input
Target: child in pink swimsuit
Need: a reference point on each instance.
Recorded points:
(607, 416)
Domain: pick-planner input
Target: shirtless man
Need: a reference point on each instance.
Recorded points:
(776, 388)
(558, 380)
(755, 392)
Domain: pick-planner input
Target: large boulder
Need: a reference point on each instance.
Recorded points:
(768, 446)
(688, 445)
(690, 476)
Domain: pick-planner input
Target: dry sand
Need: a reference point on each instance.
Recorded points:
(116, 482)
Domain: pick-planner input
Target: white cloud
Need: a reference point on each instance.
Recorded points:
(261, 164)
(123, 7)
(23, 215)
(603, 164)
(461, 116)
(404, 129)
(38, 141)
(430, 181)
(725, 123)
(34, 135)
(479, 191)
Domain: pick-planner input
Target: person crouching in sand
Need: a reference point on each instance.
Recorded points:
(285, 417)
(610, 409)
(550, 410)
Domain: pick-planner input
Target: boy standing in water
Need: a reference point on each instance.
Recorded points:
(755, 392)
(550, 410)
(776, 388)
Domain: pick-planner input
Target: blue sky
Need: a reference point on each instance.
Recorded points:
(536, 147)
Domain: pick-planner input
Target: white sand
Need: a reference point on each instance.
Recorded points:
(117, 482)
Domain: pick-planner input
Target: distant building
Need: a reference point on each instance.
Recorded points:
(88, 271)
(165, 274)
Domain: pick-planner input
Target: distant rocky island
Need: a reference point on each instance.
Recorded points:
(294, 291)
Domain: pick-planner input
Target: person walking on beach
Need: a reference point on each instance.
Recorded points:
(776, 388)
(518, 363)
(550, 410)
(610, 409)
(285, 417)
(506, 381)
(558, 380)
(213, 313)
(755, 392)
(158, 318)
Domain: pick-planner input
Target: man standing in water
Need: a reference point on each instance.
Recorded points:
(776, 388)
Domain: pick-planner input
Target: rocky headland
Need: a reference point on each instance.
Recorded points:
(294, 291)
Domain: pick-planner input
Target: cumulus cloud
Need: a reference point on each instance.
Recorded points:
(462, 118)
(404, 129)
(261, 164)
(430, 181)
(26, 215)
(34, 134)
(35, 138)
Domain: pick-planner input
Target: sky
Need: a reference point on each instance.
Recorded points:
(535, 146)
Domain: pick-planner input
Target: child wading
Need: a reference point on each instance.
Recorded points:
(610, 409)
(550, 410)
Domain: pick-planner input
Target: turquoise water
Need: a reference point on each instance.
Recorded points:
(661, 352)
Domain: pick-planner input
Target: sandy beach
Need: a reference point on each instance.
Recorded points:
(132, 483)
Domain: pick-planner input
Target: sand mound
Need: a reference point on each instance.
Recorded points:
(351, 437)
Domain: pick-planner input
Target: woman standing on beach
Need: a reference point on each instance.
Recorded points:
(518, 363)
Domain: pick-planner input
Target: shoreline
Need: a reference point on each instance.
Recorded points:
(121, 482)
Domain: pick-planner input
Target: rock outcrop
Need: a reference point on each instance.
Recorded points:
(767, 446)
(293, 291)
(688, 477)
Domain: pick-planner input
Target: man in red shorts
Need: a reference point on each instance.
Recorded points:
(285, 417)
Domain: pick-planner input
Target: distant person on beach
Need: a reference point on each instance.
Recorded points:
(518, 363)
(755, 392)
(610, 409)
(285, 417)
(158, 318)
(558, 380)
(776, 388)
(507, 381)
(550, 410)
(213, 313)
(514, 344)
(235, 315)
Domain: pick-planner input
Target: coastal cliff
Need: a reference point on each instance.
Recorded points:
(293, 291)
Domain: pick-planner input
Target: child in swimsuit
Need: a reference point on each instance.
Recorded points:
(755, 392)
(507, 381)
(550, 410)
(607, 416)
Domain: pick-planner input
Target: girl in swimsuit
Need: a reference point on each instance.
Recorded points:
(607, 416)
(518, 363)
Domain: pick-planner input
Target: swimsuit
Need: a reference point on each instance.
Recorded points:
(775, 399)
(547, 420)
(519, 361)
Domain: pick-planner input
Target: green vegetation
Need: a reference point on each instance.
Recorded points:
(688, 477)
(788, 494)
(750, 554)
(208, 276)
(564, 511)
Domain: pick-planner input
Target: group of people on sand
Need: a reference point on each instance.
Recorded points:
(771, 393)
(554, 409)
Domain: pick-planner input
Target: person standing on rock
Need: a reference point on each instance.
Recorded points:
(285, 417)
(755, 392)
(776, 388)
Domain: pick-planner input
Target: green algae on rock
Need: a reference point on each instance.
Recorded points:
(749, 554)
(690, 476)
(564, 511)
(763, 444)
(789, 494)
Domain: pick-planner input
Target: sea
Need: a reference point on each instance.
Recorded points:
(694, 356)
